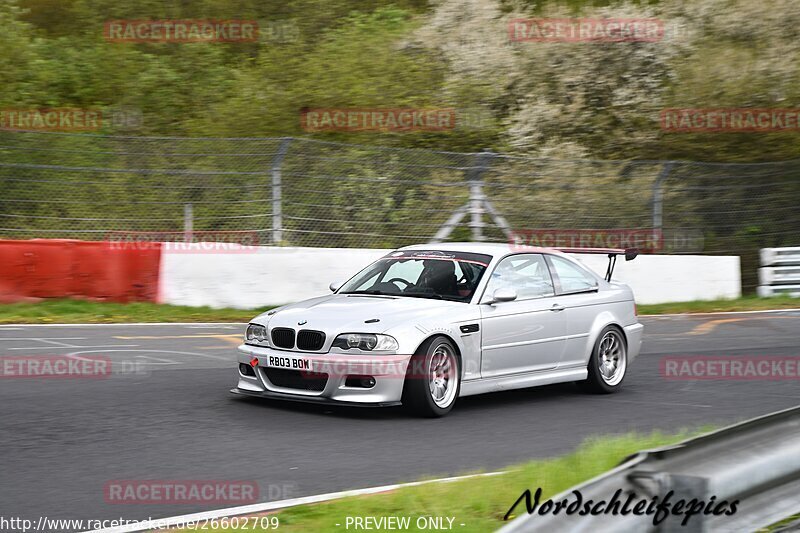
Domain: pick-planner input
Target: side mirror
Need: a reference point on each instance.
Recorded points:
(335, 286)
(503, 294)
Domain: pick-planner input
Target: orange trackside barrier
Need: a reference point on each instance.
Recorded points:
(60, 268)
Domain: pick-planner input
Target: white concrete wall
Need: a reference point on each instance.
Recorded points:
(244, 280)
(659, 279)
(275, 276)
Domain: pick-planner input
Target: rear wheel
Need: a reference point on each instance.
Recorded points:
(433, 379)
(608, 362)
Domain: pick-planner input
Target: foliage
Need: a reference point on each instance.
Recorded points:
(562, 101)
(556, 99)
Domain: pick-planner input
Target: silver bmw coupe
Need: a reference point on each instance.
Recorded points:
(427, 324)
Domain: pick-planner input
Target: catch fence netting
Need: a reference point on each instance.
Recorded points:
(306, 192)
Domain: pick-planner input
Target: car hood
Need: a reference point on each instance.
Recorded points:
(349, 313)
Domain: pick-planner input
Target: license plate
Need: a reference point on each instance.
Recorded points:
(292, 363)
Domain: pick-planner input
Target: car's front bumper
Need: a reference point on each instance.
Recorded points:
(309, 399)
(388, 372)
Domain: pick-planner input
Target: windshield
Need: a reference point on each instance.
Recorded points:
(422, 274)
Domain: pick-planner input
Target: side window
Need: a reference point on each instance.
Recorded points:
(572, 278)
(527, 274)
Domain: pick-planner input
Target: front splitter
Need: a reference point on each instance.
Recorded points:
(308, 399)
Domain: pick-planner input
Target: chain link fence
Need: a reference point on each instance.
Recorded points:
(303, 192)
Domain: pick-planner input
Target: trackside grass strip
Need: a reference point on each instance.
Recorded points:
(746, 303)
(68, 311)
(478, 503)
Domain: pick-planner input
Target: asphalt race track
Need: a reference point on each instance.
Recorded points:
(173, 418)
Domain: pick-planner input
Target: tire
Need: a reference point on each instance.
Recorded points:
(608, 362)
(433, 379)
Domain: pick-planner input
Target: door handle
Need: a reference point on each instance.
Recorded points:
(557, 307)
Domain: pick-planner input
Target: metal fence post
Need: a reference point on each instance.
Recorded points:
(476, 197)
(477, 204)
(277, 192)
(188, 222)
(658, 195)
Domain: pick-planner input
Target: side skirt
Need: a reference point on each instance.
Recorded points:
(522, 381)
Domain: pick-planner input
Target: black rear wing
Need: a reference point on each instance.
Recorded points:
(629, 253)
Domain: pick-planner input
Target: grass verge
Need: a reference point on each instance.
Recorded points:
(65, 311)
(785, 525)
(478, 503)
(746, 303)
(68, 311)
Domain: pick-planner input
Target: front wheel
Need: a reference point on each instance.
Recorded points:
(608, 362)
(433, 379)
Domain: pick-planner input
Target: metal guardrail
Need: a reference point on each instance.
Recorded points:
(756, 462)
(779, 272)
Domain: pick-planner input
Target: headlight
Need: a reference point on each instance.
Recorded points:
(255, 334)
(365, 341)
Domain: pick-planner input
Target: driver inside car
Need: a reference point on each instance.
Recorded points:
(439, 277)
